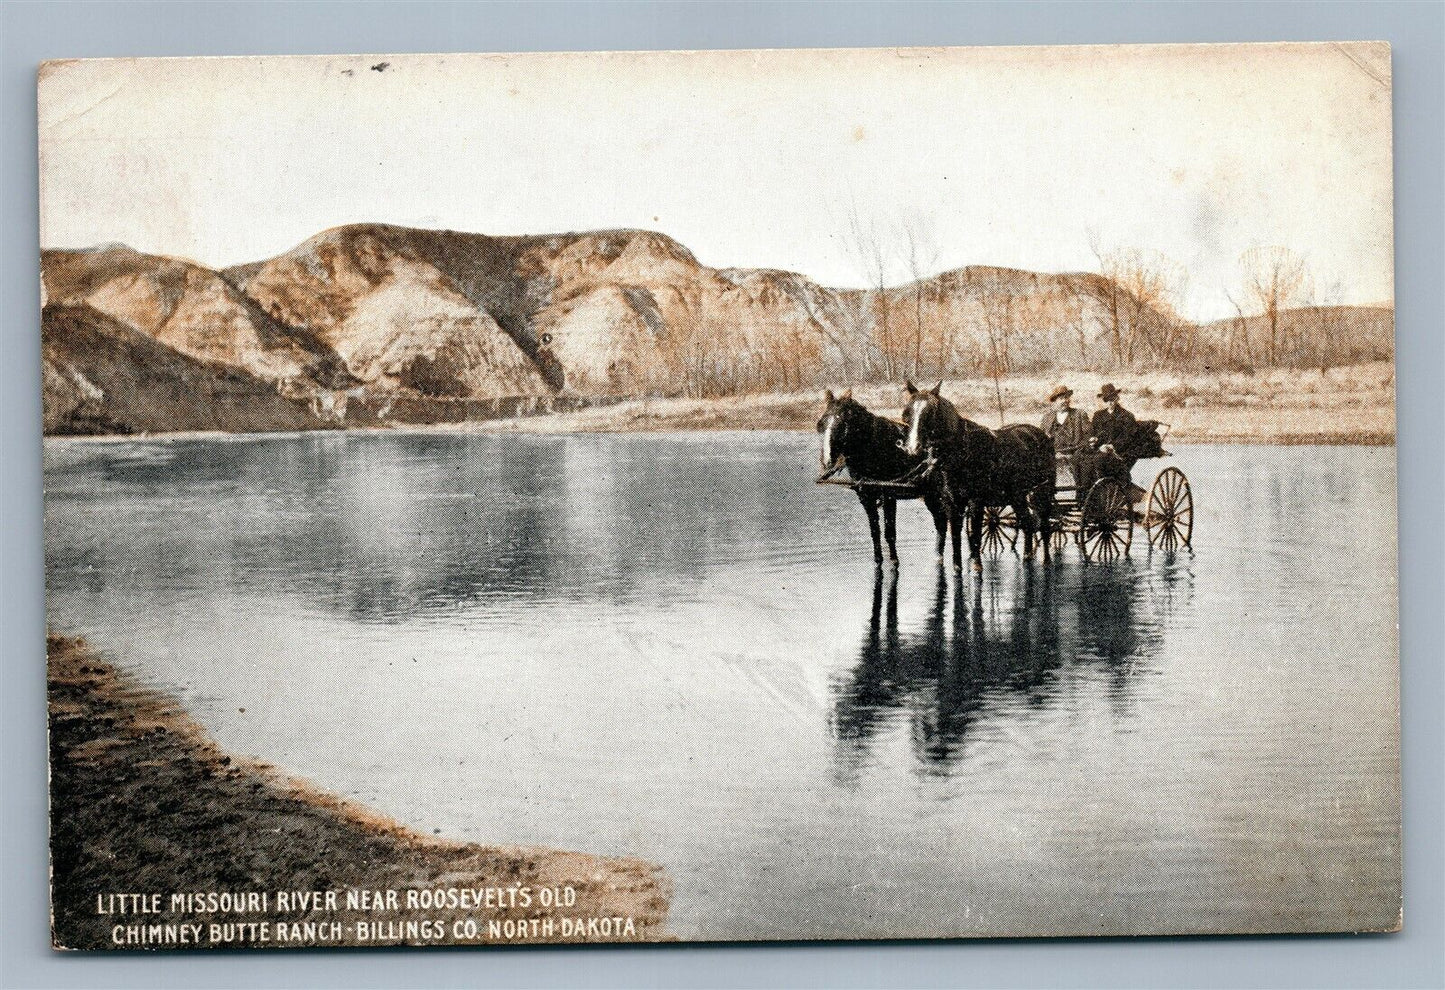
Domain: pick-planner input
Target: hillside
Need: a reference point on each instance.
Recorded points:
(377, 323)
(190, 309)
(102, 376)
(1306, 337)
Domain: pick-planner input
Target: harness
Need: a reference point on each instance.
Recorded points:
(908, 479)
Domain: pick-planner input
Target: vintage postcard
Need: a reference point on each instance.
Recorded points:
(720, 496)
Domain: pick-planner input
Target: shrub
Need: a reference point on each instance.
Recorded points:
(1175, 397)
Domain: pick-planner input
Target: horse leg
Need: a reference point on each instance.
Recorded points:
(890, 527)
(870, 506)
(940, 523)
(955, 525)
(1025, 516)
(975, 535)
(1044, 502)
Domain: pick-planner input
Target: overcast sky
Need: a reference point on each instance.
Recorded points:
(1006, 156)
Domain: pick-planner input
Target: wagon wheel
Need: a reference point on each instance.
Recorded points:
(1059, 532)
(1169, 518)
(1062, 523)
(1106, 521)
(1000, 529)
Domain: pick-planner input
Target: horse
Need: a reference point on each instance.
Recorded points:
(979, 468)
(870, 447)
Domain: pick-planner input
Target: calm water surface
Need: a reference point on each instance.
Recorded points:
(676, 647)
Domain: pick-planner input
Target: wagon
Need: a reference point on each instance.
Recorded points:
(1102, 520)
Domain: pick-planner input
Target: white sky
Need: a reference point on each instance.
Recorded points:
(1008, 156)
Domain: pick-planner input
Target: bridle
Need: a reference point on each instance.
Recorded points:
(913, 418)
(838, 423)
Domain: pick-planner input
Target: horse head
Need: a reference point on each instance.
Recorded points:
(928, 419)
(836, 424)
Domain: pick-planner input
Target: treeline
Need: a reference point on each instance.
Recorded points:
(984, 322)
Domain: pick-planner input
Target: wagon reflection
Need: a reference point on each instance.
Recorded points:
(992, 652)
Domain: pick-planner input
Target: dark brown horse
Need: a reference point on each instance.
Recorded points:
(870, 447)
(979, 467)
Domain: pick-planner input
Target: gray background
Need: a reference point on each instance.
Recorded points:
(31, 32)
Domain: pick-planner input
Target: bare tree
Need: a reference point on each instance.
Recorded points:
(1107, 291)
(818, 316)
(853, 311)
(1274, 279)
(920, 255)
(1071, 318)
(998, 324)
(688, 352)
(1153, 286)
(1237, 348)
(1329, 329)
(873, 256)
(1140, 292)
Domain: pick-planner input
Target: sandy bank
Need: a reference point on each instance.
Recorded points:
(1348, 405)
(1352, 405)
(143, 801)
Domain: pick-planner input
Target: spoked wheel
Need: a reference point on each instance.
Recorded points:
(1000, 529)
(1169, 517)
(1106, 522)
(1059, 532)
(1063, 523)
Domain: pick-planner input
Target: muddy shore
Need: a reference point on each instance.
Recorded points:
(144, 802)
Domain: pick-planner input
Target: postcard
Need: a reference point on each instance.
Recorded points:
(720, 496)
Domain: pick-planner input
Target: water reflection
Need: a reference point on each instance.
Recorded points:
(999, 648)
(673, 647)
(386, 530)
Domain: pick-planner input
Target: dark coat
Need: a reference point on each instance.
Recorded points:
(1071, 436)
(1115, 428)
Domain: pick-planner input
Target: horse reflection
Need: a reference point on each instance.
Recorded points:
(990, 650)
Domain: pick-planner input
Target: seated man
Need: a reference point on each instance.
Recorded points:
(1069, 430)
(1112, 434)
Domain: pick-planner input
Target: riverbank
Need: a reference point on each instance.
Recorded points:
(144, 802)
(1352, 405)
(1349, 405)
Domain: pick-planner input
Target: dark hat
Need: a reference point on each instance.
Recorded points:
(1060, 390)
(1108, 393)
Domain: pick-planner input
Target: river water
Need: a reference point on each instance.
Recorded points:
(676, 647)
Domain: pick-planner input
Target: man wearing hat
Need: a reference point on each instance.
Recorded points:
(1113, 427)
(1112, 434)
(1069, 429)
